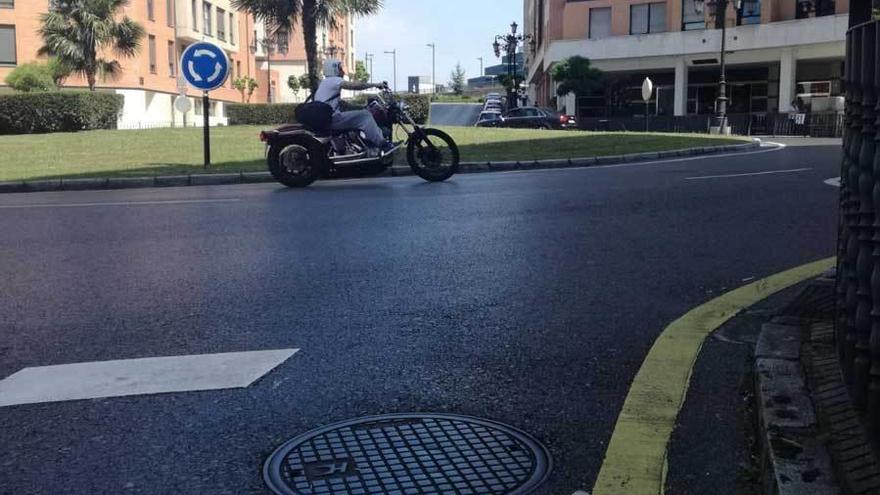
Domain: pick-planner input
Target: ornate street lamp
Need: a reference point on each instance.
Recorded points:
(508, 44)
(277, 43)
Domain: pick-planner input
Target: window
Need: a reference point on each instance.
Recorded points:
(749, 12)
(172, 59)
(151, 13)
(207, 25)
(7, 45)
(232, 28)
(195, 16)
(169, 12)
(600, 23)
(7, 4)
(692, 15)
(221, 24)
(647, 18)
(152, 47)
(238, 67)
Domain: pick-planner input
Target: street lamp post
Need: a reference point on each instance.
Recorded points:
(481, 65)
(393, 53)
(269, 44)
(721, 99)
(369, 58)
(433, 48)
(509, 44)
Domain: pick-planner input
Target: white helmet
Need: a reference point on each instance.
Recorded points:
(332, 67)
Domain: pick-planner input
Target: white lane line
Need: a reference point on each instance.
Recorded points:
(123, 203)
(154, 375)
(766, 172)
(769, 148)
(834, 181)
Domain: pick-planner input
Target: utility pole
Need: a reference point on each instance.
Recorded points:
(481, 65)
(433, 48)
(369, 58)
(393, 53)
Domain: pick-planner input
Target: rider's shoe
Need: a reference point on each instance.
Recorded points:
(390, 147)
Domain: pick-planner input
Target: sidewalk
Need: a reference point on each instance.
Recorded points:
(767, 410)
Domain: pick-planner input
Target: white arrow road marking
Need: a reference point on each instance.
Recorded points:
(140, 376)
(834, 181)
(192, 71)
(767, 172)
(217, 70)
(202, 51)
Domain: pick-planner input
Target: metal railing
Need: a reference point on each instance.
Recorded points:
(857, 324)
(826, 124)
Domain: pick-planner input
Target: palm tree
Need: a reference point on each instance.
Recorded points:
(77, 32)
(281, 15)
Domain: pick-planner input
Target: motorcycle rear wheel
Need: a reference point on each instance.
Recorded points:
(292, 164)
(434, 163)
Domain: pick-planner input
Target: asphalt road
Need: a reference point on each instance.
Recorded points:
(530, 298)
(455, 114)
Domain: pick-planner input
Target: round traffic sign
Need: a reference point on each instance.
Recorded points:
(205, 66)
(182, 104)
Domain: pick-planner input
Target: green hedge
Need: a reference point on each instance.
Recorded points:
(260, 113)
(419, 107)
(282, 113)
(32, 113)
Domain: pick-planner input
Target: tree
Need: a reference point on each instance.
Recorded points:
(31, 77)
(305, 82)
(576, 75)
(360, 72)
(294, 85)
(457, 79)
(59, 71)
(282, 15)
(245, 83)
(79, 32)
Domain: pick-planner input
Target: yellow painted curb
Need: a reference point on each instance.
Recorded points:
(635, 461)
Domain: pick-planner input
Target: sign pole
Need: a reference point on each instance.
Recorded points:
(206, 102)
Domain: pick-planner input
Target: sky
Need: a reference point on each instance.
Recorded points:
(462, 30)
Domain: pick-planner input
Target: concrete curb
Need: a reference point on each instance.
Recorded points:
(397, 171)
(794, 459)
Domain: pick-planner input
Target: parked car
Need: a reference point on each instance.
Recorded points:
(488, 119)
(492, 106)
(493, 101)
(537, 118)
(493, 96)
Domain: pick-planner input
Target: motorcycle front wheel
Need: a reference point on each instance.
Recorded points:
(433, 157)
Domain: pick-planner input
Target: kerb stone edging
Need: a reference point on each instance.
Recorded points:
(98, 183)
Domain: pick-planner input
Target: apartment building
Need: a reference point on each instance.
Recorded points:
(778, 52)
(150, 81)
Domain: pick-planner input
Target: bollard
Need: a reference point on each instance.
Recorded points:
(865, 257)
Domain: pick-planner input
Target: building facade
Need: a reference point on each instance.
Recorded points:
(780, 54)
(150, 81)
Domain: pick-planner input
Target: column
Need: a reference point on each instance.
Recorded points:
(787, 79)
(681, 87)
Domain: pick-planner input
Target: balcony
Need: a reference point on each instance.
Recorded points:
(778, 35)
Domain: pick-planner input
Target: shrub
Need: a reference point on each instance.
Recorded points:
(31, 77)
(419, 107)
(72, 111)
(260, 113)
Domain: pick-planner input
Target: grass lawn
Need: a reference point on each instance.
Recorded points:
(234, 149)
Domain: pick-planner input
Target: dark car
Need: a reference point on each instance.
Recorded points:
(536, 118)
(489, 119)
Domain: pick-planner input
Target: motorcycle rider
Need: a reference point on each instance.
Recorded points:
(330, 92)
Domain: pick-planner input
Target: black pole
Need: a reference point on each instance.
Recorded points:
(268, 76)
(722, 82)
(206, 104)
(647, 110)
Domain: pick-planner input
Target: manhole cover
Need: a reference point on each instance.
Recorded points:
(409, 454)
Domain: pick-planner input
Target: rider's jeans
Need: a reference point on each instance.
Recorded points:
(359, 119)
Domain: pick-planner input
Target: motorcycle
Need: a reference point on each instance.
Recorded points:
(298, 154)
